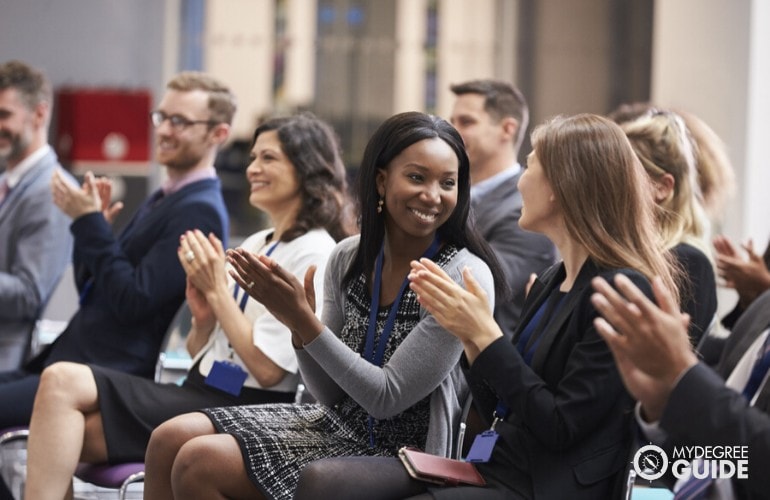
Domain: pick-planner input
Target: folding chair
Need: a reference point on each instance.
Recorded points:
(117, 476)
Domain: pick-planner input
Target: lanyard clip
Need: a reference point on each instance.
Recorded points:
(494, 422)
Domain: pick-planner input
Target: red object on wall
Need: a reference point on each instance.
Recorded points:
(103, 127)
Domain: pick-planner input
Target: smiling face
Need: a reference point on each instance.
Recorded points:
(419, 187)
(183, 149)
(273, 178)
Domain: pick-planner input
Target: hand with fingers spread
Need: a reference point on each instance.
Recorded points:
(464, 312)
(748, 276)
(650, 343)
(291, 302)
(104, 189)
(73, 200)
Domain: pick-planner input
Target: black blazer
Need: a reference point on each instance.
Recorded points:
(730, 421)
(568, 432)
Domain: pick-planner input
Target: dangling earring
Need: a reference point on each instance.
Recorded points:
(380, 203)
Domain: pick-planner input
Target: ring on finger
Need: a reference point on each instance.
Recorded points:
(249, 285)
(189, 256)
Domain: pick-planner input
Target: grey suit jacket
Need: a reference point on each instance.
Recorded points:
(35, 247)
(496, 216)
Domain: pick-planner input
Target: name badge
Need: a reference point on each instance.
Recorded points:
(227, 377)
(481, 449)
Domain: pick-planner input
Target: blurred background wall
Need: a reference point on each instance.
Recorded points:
(356, 62)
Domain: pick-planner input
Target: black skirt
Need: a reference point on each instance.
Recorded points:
(132, 407)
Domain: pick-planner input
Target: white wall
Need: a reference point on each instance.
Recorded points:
(712, 57)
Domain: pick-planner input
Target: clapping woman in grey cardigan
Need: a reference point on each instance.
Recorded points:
(384, 371)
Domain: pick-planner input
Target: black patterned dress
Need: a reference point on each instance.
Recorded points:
(278, 440)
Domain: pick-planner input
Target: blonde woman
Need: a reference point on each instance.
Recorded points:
(663, 145)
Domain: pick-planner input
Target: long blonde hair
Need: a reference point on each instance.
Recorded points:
(663, 145)
(604, 193)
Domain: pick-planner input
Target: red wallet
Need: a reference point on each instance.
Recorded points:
(439, 470)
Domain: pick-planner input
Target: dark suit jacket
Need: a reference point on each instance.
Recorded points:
(701, 410)
(138, 282)
(35, 247)
(521, 253)
(569, 427)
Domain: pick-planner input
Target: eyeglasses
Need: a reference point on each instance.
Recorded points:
(178, 122)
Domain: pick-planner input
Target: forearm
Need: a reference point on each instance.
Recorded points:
(404, 380)
(239, 332)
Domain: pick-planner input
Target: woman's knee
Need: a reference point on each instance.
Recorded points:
(210, 463)
(70, 381)
(172, 434)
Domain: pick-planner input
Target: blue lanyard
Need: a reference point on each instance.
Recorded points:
(245, 296)
(371, 331)
(534, 328)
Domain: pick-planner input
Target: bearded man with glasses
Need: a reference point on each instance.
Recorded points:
(131, 285)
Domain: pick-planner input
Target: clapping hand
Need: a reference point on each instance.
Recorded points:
(649, 343)
(748, 276)
(464, 312)
(291, 302)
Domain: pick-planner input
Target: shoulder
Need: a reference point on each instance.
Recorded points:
(465, 258)
(635, 276)
(690, 256)
(204, 192)
(255, 241)
(343, 253)
(316, 242)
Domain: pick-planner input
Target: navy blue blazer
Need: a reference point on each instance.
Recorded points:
(131, 286)
(568, 431)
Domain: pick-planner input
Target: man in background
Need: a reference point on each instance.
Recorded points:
(131, 285)
(35, 243)
(492, 117)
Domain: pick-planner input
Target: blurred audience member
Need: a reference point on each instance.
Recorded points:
(662, 144)
(35, 243)
(492, 117)
(131, 285)
(681, 401)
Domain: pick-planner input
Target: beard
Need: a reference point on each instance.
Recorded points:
(14, 150)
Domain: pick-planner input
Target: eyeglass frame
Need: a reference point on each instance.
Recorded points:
(177, 122)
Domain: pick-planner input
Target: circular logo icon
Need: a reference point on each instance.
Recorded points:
(650, 462)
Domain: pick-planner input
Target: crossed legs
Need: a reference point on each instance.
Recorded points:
(188, 459)
(66, 428)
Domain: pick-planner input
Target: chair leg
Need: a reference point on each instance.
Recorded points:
(133, 478)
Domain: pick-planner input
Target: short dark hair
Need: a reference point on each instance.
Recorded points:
(31, 84)
(501, 100)
(391, 138)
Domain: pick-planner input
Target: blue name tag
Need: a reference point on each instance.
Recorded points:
(227, 377)
(481, 449)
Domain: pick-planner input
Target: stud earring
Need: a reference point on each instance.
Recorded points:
(380, 203)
